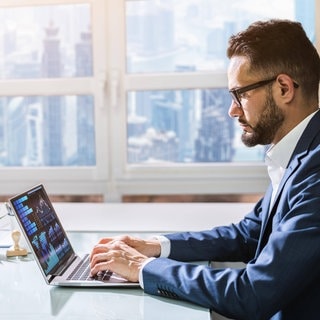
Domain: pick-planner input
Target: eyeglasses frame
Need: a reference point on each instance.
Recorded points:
(237, 91)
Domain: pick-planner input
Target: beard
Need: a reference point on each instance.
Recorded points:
(265, 130)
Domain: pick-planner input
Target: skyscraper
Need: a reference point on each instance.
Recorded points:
(52, 106)
(85, 104)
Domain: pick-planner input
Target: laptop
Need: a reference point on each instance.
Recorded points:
(52, 250)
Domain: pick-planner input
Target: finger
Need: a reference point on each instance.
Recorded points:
(105, 240)
(119, 265)
(101, 243)
(101, 249)
(99, 262)
(98, 257)
(108, 261)
(106, 257)
(97, 249)
(102, 266)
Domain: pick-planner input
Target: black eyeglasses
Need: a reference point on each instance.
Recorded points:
(235, 93)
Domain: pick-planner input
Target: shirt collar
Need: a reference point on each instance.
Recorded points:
(279, 154)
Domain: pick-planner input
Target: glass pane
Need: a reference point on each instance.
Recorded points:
(47, 131)
(184, 126)
(189, 35)
(45, 42)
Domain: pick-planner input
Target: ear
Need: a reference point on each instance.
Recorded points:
(285, 88)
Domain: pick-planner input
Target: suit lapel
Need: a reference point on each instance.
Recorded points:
(300, 151)
(270, 212)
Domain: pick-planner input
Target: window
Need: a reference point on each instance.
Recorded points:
(123, 97)
(52, 78)
(47, 131)
(42, 42)
(189, 37)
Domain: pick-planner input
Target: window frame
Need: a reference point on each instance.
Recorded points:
(112, 176)
(65, 180)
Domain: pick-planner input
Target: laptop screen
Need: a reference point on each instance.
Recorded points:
(43, 228)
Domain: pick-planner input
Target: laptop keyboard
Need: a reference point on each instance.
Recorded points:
(82, 272)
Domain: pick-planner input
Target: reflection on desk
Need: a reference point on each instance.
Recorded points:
(119, 304)
(27, 296)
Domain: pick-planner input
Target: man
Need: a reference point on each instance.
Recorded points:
(273, 78)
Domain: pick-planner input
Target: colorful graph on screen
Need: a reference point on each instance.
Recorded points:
(42, 227)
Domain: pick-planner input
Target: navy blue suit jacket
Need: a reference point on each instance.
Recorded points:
(282, 251)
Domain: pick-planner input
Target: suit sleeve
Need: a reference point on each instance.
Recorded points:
(236, 242)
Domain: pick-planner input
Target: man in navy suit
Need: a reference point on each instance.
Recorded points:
(273, 78)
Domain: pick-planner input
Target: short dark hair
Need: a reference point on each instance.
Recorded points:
(279, 46)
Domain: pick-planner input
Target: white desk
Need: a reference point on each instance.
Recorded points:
(25, 295)
(151, 217)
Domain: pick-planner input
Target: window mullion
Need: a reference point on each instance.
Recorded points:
(30, 3)
(175, 81)
(63, 86)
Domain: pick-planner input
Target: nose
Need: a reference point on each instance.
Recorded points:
(234, 110)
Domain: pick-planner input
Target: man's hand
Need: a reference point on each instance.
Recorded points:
(123, 255)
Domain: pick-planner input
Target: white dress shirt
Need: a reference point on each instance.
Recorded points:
(278, 155)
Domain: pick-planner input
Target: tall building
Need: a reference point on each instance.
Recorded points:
(149, 33)
(52, 106)
(16, 131)
(3, 135)
(34, 143)
(216, 132)
(85, 104)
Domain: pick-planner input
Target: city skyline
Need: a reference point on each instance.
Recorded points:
(181, 126)
(52, 130)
